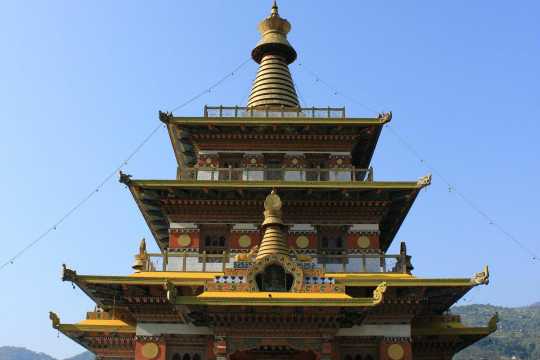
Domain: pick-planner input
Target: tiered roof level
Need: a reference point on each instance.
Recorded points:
(273, 241)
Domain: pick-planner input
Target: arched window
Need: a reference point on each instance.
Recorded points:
(186, 357)
(358, 357)
(177, 356)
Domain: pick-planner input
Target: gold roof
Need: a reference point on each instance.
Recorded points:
(273, 86)
(273, 242)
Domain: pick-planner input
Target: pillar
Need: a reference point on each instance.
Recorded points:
(220, 348)
(395, 349)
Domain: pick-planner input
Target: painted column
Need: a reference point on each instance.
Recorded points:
(395, 349)
(220, 348)
(150, 348)
(326, 351)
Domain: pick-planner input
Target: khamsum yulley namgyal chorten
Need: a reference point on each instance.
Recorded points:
(273, 241)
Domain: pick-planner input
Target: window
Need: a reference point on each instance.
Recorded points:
(214, 238)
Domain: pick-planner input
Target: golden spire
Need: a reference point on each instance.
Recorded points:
(273, 242)
(273, 85)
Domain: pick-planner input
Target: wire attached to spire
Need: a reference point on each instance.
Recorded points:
(107, 178)
(423, 161)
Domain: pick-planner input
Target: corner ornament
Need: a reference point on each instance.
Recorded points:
(378, 293)
(424, 181)
(54, 319)
(124, 178)
(481, 278)
(385, 117)
(68, 274)
(165, 117)
(492, 324)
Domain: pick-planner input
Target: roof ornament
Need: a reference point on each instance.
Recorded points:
(141, 258)
(481, 278)
(54, 319)
(273, 86)
(424, 181)
(68, 274)
(274, 9)
(492, 324)
(124, 178)
(378, 293)
(273, 242)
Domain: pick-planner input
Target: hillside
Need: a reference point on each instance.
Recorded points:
(20, 353)
(518, 335)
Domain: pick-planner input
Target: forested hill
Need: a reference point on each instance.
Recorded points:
(518, 336)
(20, 353)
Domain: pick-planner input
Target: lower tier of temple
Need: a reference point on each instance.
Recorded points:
(381, 339)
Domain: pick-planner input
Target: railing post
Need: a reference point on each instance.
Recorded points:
(364, 263)
(382, 262)
(236, 111)
(353, 174)
(205, 110)
(370, 174)
(220, 110)
(165, 260)
(224, 262)
(230, 172)
(344, 263)
(184, 261)
(204, 261)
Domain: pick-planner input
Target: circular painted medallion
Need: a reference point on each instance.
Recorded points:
(302, 242)
(208, 161)
(244, 241)
(253, 161)
(339, 161)
(184, 240)
(150, 350)
(363, 242)
(395, 352)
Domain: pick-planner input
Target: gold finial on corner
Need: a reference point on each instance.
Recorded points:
(492, 324)
(142, 247)
(481, 278)
(54, 319)
(141, 258)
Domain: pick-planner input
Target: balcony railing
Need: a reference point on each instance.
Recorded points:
(329, 263)
(281, 174)
(236, 111)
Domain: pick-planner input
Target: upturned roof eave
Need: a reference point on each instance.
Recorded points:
(261, 121)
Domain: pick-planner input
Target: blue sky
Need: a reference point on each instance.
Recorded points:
(81, 84)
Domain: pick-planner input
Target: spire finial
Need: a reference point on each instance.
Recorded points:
(274, 9)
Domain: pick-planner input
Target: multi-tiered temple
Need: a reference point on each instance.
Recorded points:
(273, 241)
